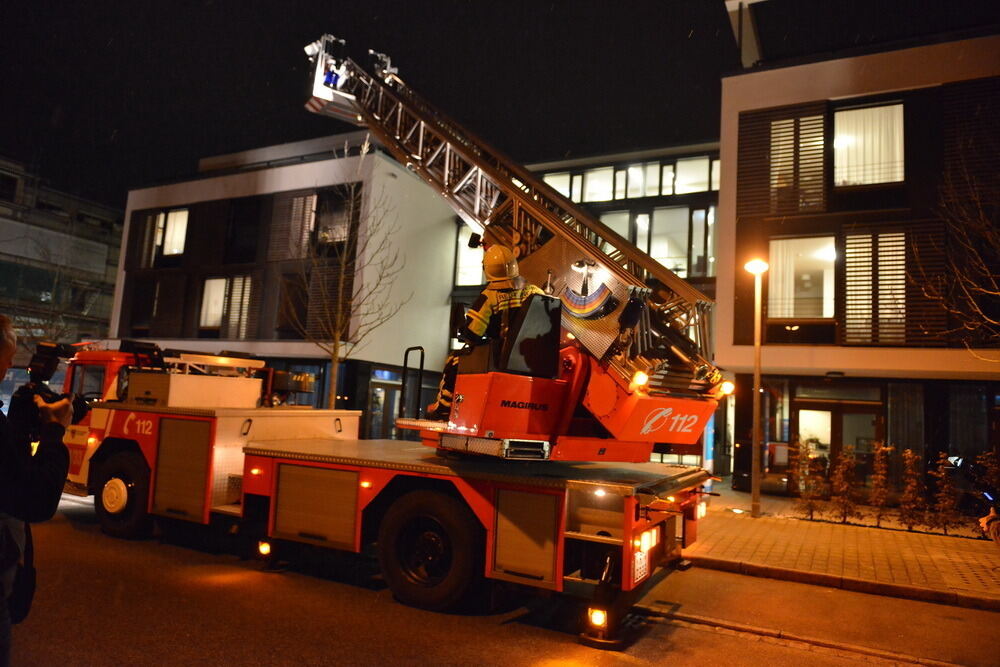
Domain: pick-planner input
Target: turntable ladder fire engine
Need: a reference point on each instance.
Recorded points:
(634, 315)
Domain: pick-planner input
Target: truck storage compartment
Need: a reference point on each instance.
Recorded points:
(527, 530)
(316, 505)
(182, 463)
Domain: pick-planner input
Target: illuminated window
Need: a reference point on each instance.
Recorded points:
(174, 231)
(668, 242)
(636, 181)
(164, 236)
(213, 298)
(716, 170)
(692, 175)
(801, 277)
(617, 221)
(667, 182)
(468, 261)
(577, 189)
(225, 308)
(868, 145)
(621, 178)
(652, 178)
(559, 182)
(598, 184)
(642, 232)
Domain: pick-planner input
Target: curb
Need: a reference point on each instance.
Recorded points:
(849, 583)
(695, 619)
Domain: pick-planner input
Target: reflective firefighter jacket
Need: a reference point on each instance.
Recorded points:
(490, 314)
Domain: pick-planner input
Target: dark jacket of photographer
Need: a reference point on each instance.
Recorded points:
(30, 486)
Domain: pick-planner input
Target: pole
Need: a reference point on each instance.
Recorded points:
(755, 449)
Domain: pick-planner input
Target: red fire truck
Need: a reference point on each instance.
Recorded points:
(540, 474)
(184, 439)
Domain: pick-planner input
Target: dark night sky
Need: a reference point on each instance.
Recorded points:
(103, 96)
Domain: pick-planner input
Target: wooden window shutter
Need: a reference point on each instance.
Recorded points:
(883, 303)
(891, 286)
(236, 311)
(858, 285)
(781, 161)
(292, 224)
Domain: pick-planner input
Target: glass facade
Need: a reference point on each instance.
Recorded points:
(681, 237)
(637, 180)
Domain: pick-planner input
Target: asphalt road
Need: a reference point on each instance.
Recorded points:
(171, 601)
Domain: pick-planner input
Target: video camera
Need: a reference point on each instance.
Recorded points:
(23, 413)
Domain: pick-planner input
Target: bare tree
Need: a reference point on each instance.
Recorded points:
(943, 512)
(842, 500)
(810, 481)
(961, 274)
(343, 288)
(912, 503)
(878, 495)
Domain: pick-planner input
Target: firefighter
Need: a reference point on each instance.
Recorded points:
(487, 319)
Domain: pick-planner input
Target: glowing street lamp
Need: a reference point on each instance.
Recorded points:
(757, 267)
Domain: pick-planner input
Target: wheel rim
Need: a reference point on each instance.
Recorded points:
(424, 551)
(114, 495)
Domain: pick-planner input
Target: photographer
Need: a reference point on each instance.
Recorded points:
(30, 485)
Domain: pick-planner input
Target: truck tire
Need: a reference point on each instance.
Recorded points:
(122, 495)
(430, 549)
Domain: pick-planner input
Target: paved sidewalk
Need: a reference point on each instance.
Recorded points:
(921, 566)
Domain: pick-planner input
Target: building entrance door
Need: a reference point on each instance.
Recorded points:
(824, 429)
(383, 406)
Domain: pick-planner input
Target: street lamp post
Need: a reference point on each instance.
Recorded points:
(757, 267)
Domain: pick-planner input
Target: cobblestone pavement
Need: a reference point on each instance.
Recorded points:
(917, 565)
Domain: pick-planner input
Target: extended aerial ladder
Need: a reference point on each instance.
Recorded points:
(633, 314)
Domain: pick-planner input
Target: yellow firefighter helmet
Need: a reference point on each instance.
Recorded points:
(499, 265)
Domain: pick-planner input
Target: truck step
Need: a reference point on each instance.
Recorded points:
(535, 450)
(234, 509)
(527, 449)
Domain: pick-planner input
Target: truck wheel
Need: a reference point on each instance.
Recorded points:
(122, 494)
(430, 548)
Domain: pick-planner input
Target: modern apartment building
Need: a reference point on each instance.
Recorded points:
(58, 258)
(848, 175)
(246, 257)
